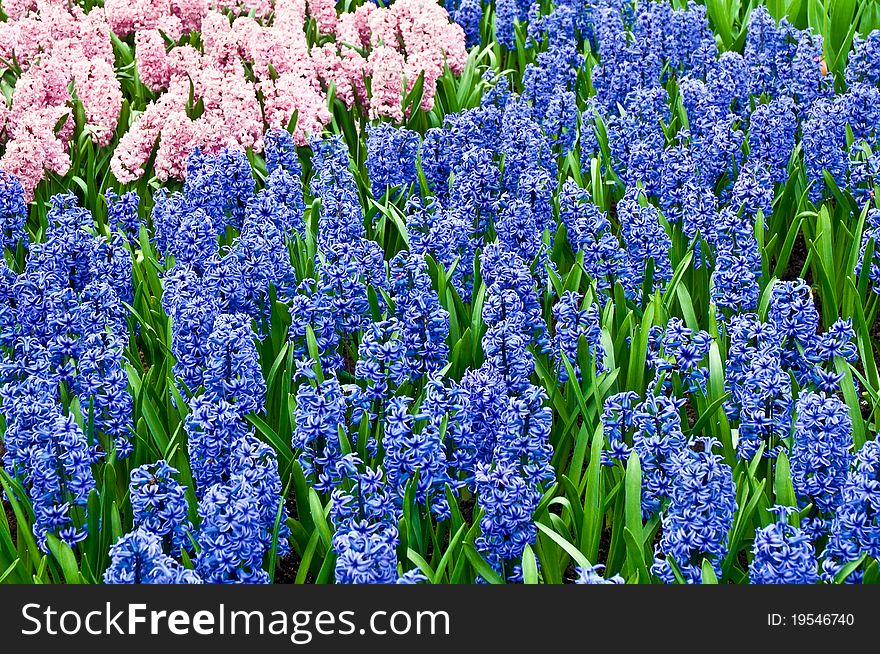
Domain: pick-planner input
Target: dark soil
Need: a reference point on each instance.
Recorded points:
(796, 262)
(467, 509)
(875, 331)
(287, 566)
(569, 575)
(691, 414)
(604, 546)
(743, 560)
(347, 360)
(143, 358)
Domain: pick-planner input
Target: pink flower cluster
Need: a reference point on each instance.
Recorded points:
(254, 69)
(55, 43)
(392, 46)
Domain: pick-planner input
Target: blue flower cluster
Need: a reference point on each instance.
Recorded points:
(821, 451)
(366, 537)
(13, 213)
(855, 528)
(64, 335)
(700, 514)
(652, 428)
(676, 352)
(782, 553)
(417, 452)
(424, 323)
(232, 534)
(159, 505)
(508, 502)
(391, 157)
(319, 415)
(137, 558)
(593, 575)
(590, 235)
(572, 324)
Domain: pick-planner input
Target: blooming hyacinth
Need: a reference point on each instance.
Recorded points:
(793, 313)
(508, 501)
(446, 235)
(753, 190)
(734, 282)
(257, 463)
(507, 12)
(658, 440)
(593, 575)
(102, 386)
(281, 202)
(280, 152)
(618, 416)
(50, 454)
(381, 365)
(773, 127)
(231, 534)
(391, 157)
(782, 553)
(485, 401)
(856, 525)
(222, 448)
(366, 537)
(193, 308)
(409, 451)
(469, 14)
(511, 296)
(572, 323)
(759, 386)
(646, 241)
(232, 367)
(653, 429)
(13, 212)
(520, 227)
(678, 350)
(220, 185)
(824, 145)
(122, 214)
(821, 451)
(137, 558)
(61, 479)
(424, 323)
(505, 346)
(311, 307)
(700, 514)
(158, 504)
(334, 184)
(524, 437)
(242, 277)
(318, 417)
(213, 427)
(589, 232)
(475, 189)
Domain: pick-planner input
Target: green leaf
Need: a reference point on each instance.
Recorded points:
(65, 558)
(782, 483)
(633, 487)
(709, 576)
(529, 566)
(570, 549)
(848, 569)
(479, 563)
(317, 511)
(635, 556)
